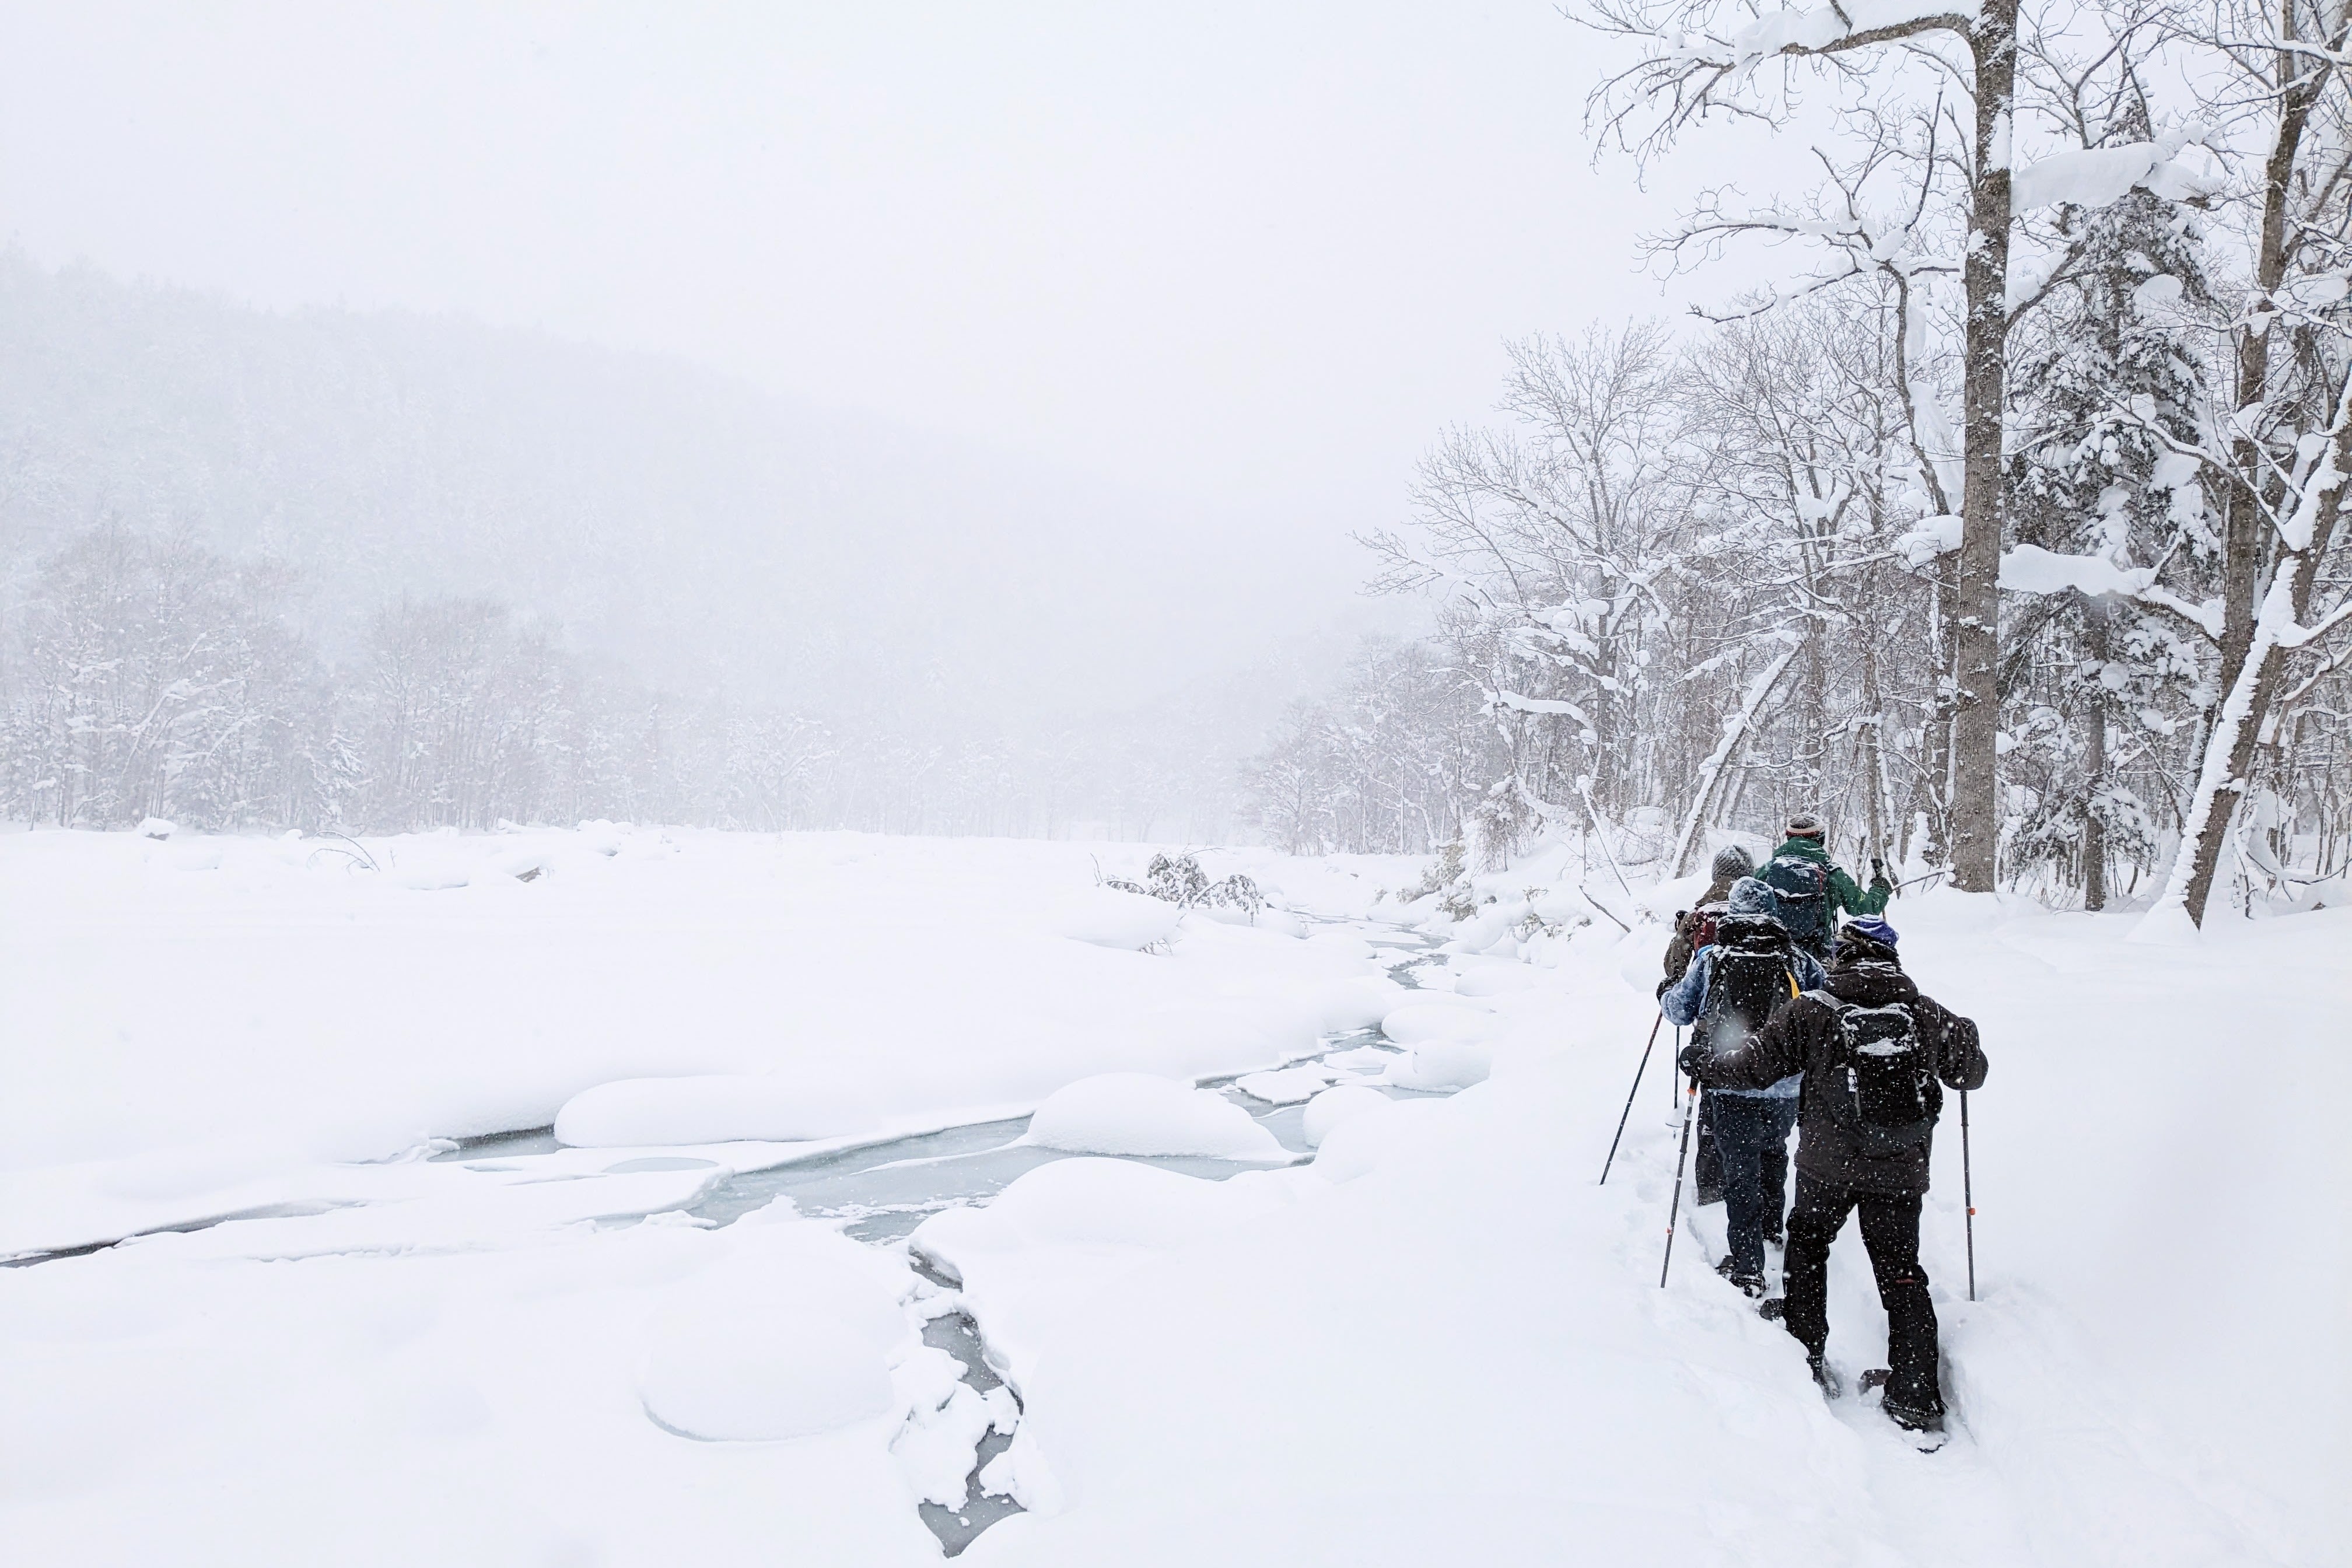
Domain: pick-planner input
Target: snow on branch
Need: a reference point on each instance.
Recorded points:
(2030, 569)
(1541, 705)
(2098, 176)
(1824, 30)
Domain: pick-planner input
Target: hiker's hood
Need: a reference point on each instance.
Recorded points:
(1870, 981)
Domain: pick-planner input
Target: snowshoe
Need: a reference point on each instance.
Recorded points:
(1924, 1427)
(1773, 1308)
(1749, 1285)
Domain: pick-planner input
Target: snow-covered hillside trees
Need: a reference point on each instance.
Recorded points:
(150, 676)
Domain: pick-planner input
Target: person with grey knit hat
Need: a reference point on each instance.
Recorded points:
(1731, 863)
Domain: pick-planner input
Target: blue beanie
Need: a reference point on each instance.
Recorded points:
(1750, 897)
(1873, 929)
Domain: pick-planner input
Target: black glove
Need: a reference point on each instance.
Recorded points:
(1694, 1057)
(1666, 985)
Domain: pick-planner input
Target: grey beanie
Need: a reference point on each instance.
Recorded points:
(1750, 897)
(1732, 861)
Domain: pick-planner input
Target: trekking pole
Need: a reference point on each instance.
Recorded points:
(1968, 1195)
(1675, 1212)
(1629, 1094)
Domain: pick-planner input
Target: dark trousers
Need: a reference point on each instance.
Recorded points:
(1751, 1138)
(1708, 1174)
(1890, 1229)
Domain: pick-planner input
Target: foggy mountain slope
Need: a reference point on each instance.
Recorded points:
(686, 524)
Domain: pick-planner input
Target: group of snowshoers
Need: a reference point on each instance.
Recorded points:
(1801, 1021)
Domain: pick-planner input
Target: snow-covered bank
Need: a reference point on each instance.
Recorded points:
(186, 1018)
(1462, 1354)
(1438, 1339)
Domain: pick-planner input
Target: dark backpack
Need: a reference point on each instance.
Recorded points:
(1749, 981)
(1801, 888)
(1881, 1082)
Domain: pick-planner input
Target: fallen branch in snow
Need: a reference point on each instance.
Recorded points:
(1597, 904)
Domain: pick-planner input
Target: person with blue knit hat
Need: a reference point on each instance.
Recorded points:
(1869, 928)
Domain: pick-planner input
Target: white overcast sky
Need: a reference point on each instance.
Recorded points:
(1253, 256)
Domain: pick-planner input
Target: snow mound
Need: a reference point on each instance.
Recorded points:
(796, 1359)
(1082, 1204)
(1417, 1021)
(1331, 1110)
(1350, 1004)
(1363, 1140)
(719, 1108)
(1442, 1064)
(1137, 1113)
(1106, 917)
(526, 864)
(156, 828)
(1495, 980)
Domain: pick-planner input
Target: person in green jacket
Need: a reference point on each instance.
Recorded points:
(1812, 889)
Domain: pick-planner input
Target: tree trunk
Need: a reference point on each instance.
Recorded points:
(1937, 770)
(1736, 729)
(1976, 628)
(2229, 751)
(2095, 766)
(1873, 776)
(2230, 742)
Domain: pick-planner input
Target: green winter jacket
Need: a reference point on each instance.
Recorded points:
(1842, 894)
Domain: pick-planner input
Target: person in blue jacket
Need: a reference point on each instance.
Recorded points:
(1731, 990)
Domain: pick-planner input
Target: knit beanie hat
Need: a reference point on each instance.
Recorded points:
(1750, 897)
(1871, 928)
(1732, 861)
(1804, 826)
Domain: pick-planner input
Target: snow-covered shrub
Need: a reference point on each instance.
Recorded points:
(1182, 882)
(1448, 877)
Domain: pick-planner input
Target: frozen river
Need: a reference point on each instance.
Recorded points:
(878, 1192)
(497, 1191)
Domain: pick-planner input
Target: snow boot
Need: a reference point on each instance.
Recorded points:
(1773, 1310)
(1749, 1285)
(1831, 1385)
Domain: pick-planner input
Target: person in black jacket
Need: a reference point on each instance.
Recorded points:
(1876, 1053)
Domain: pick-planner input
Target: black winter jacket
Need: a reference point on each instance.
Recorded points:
(1799, 1039)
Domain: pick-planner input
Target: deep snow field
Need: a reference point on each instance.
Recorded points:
(1405, 1326)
